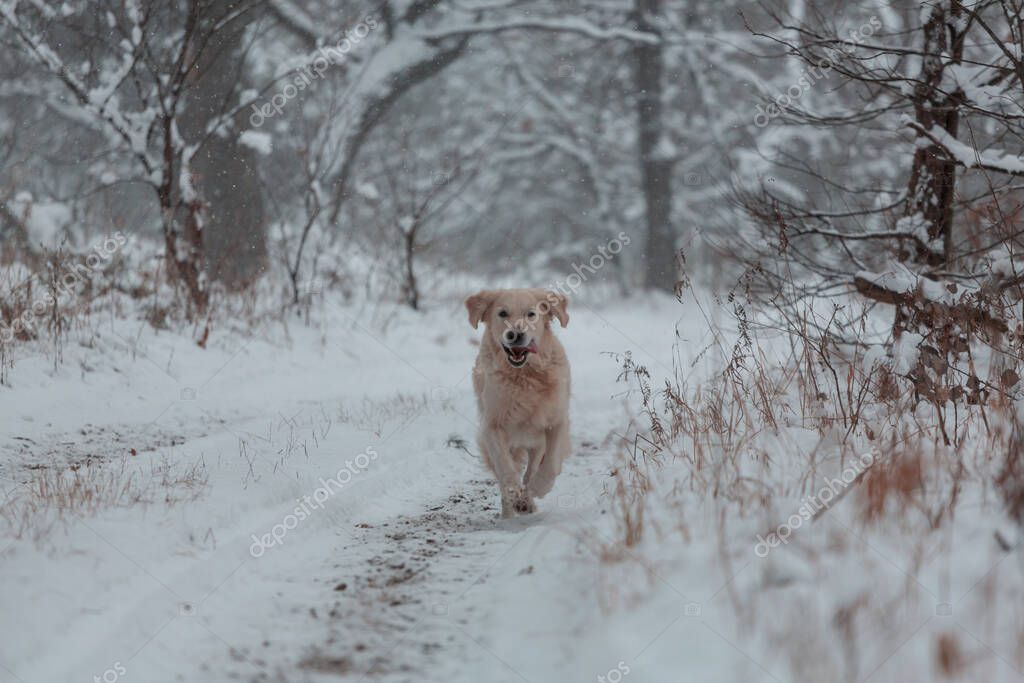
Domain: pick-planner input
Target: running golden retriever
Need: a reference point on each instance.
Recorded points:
(521, 379)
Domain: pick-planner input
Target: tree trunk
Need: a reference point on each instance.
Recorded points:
(660, 262)
(184, 254)
(930, 191)
(412, 292)
(184, 248)
(225, 171)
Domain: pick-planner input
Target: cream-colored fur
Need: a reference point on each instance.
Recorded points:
(524, 411)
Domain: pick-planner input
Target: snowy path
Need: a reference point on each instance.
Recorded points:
(403, 573)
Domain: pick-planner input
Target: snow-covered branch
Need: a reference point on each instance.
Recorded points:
(132, 128)
(573, 25)
(296, 20)
(967, 156)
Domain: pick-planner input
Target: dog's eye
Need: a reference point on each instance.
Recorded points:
(531, 315)
(502, 314)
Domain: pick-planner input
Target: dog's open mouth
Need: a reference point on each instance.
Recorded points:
(517, 354)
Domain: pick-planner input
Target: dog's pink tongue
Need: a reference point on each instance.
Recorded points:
(532, 348)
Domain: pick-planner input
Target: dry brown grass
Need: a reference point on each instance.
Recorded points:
(931, 442)
(712, 429)
(375, 414)
(55, 494)
(628, 500)
(1010, 479)
(949, 655)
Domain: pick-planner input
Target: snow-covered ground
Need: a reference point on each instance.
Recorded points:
(299, 508)
(402, 569)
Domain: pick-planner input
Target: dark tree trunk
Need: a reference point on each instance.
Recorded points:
(930, 191)
(225, 171)
(660, 261)
(184, 254)
(183, 247)
(412, 292)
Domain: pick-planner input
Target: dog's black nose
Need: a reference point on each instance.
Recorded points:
(512, 338)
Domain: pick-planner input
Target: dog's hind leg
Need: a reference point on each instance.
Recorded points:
(556, 450)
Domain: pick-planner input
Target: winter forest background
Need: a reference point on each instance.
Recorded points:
(235, 238)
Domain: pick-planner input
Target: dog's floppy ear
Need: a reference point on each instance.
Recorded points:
(557, 305)
(478, 304)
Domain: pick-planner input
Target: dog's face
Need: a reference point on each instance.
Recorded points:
(518, 320)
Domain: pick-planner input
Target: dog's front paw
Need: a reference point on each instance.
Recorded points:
(516, 501)
(525, 506)
(523, 502)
